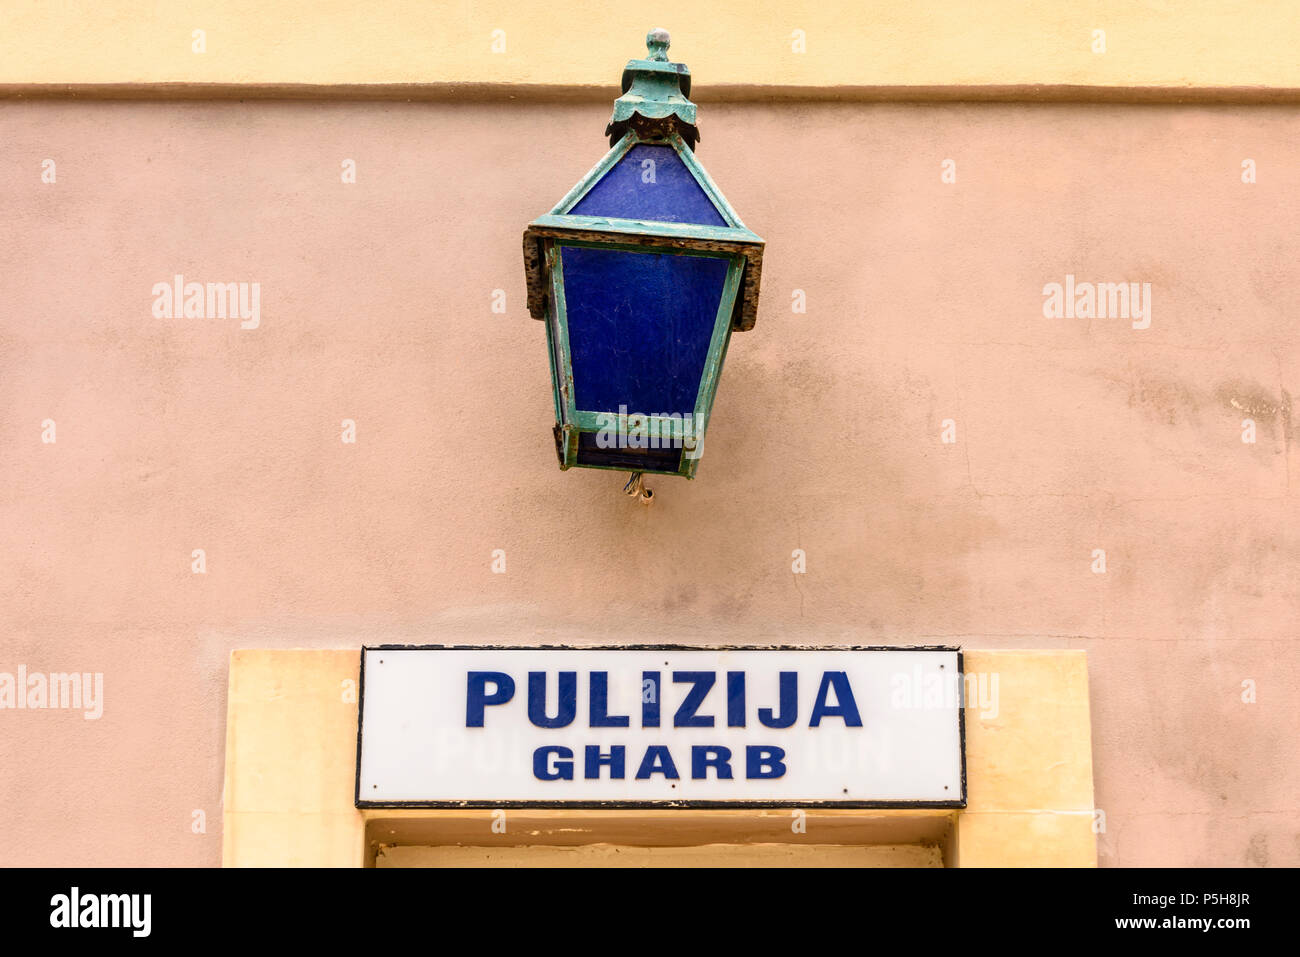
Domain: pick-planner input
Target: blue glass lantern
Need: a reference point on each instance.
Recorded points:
(641, 273)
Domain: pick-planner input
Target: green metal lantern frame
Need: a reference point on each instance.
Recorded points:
(547, 235)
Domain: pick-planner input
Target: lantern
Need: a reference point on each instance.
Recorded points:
(641, 273)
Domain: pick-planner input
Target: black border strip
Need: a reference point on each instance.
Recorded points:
(651, 805)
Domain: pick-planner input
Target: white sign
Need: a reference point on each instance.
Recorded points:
(497, 727)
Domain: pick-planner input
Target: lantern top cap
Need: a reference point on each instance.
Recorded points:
(655, 100)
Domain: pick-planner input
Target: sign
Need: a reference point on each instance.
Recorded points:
(650, 726)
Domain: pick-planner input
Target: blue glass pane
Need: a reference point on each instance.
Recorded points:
(652, 183)
(639, 327)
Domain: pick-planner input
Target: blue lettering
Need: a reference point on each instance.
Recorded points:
(477, 698)
(764, 762)
(789, 703)
(657, 760)
(560, 770)
(649, 699)
(735, 699)
(614, 761)
(600, 716)
(702, 682)
(705, 756)
(565, 709)
(847, 708)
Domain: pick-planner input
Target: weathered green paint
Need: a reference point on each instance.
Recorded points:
(622, 242)
(684, 153)
(636, 233)
(702, 177)
(655, 96)
(555, 379)
(607, 162)
(563, 371)
(713, 361)
(653, 110)
(648, 229)
(573, 420)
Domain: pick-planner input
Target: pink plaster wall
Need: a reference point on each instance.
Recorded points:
(924, 304)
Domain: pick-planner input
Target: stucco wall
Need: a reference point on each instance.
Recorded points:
(924, 303)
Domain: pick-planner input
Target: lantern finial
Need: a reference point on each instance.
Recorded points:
(657, 42)
(655, 101)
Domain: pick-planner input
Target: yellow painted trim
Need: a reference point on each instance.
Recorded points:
(291, 735)
(1029, 798)
(291, 760)
(741, 43)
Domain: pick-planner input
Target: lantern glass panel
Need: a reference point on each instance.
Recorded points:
(652, 183)
(639, 327)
